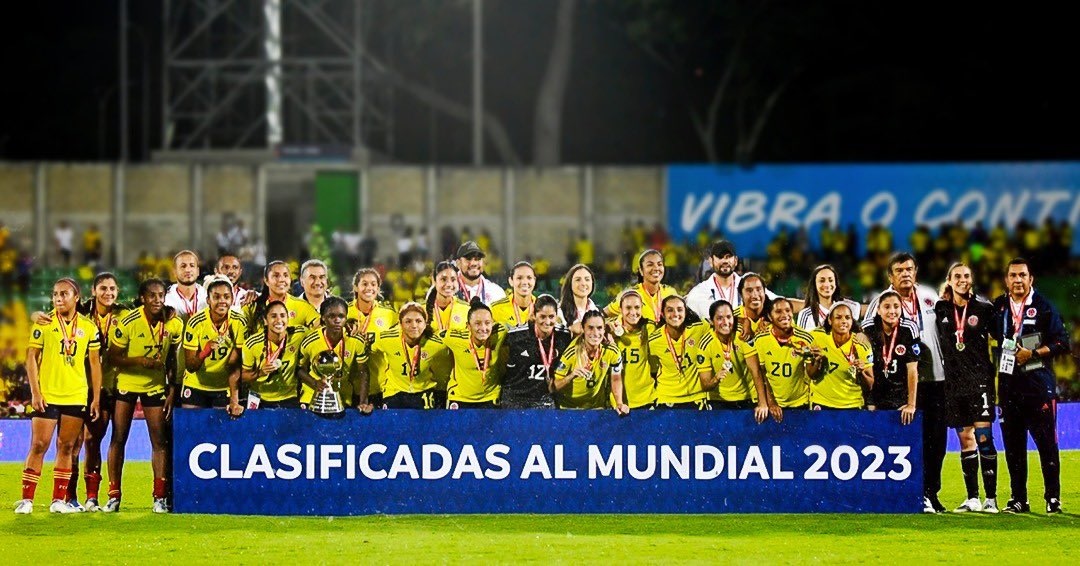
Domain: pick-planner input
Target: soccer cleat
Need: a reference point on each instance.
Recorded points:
(160, 506)
(92, 505)
(1014, 506)
(111, 506)
(927, 506)
(938, 507)
(971, 505)
(24, 507)
(74, 504)
(990, 505)
(1053, 506)
(60, 506)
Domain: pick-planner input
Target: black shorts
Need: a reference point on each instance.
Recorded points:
(421, 400)
(440, 398)
(731, 405)
(204, 399)
(147, 399)
(106, 401)
(965, 410)
(468, 405)
(702, 405)
(376, 400)
(53, 412)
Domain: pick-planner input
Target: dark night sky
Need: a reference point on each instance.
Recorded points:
(926, 82)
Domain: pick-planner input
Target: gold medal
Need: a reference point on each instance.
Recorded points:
(959, 346)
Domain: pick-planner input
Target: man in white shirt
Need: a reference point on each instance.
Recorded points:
(917, 302)
(471, 280)
(65, 238)
(722, 284)
(186, 295)
(229, 265)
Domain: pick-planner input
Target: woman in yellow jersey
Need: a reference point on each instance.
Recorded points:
(676, 358)
(212, 341)
(351, 354)
(516, 309)
(733, 364)
(785, 354)
(56, 363)
(445, 311)
(277, 281)
(576, 297)
(630, 333)
(750, 319)
(367, 320)
(846, 373)
(144, 349)
(652, 291)
(589, 374)
(475, 379)
(105, 312)
(405, 359)
(268, 366)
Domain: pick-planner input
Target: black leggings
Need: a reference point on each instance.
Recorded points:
(1022, 416)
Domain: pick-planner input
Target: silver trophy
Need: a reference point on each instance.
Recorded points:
(327, 402)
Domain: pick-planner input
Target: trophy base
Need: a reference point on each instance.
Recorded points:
(330, 416)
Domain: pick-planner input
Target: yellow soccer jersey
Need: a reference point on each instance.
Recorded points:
(200, 330)
(508, 314)
(281, 384)
(107, 326)
(475, 377)
(783, 366)
(738, 385)
(756, 326)
(301, 314)
(368, 328)
(838, 388)
(455, 316)
(351, 355)
(650, 304)
(638, 382)
(64, 347)
(594, 392)
(404, 369)
(136, 336)
(679, 364)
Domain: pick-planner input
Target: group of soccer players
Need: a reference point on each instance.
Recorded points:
(729, 344)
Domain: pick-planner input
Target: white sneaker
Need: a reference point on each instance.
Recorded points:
(74, 504)
(928, 506)
(160, 506)
(990, 505)
(111, 506)
(59, 506)
(24, 507)
(972, 505)
(92, 505)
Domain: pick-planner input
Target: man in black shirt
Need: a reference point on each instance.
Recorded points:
(1030, 332)
(531, 352)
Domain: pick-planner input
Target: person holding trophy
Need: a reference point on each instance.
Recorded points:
(332, 365)
(269, 365)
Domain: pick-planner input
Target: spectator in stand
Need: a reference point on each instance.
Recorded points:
(405, 247)
(92, 246)
(64, 236)
(658, 238)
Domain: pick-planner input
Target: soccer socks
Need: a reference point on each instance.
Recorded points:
(93, 484)
(73, 485)
(29, 482)
(114, 490)
(61, 478)
(969, 463)
(988, 460)
(159, 488)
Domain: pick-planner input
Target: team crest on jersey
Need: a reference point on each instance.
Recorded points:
(292, 314)
(900, 350)
(82, 333)
(453, 405)
(187, 393)
(457, 318)
(380, 323)
(1031, 312)
(689, 341)
(423, 355)
(928, 302)
(973, 320)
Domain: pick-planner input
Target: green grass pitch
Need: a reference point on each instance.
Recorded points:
(136, 535)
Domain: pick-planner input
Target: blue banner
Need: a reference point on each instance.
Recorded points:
(289, 462)
(750, 205)
(15, 442)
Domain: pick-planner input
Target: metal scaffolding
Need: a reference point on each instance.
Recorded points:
(245, 74)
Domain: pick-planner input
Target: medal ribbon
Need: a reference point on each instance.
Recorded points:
(341, 342)
(476, 358)
(887, 355)
(960, 317)
(412, 359)
(676, 355)
(591, 360)
(547, 358)
(915, 314)
(272, 354)
(1018, 315)
(68, 343)
(465, 290)
(157, 333)
(517, 311)
(189, 306)
(728, 295)
(440, 312)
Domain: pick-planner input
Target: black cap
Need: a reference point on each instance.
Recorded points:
(469, 248)
(721, 248)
